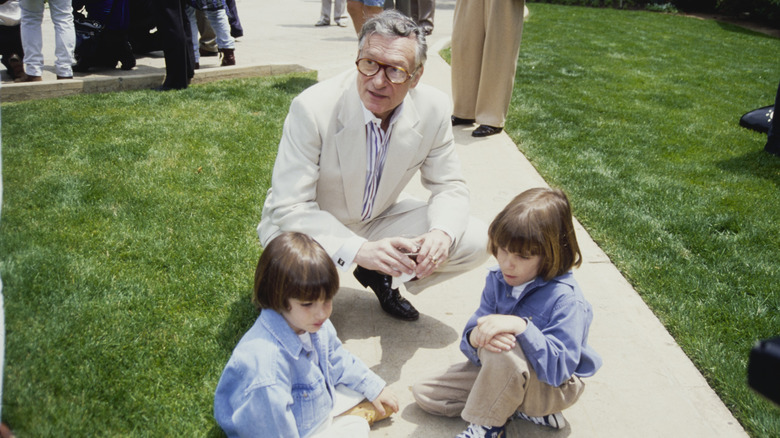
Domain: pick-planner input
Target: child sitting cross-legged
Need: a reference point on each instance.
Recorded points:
(289, 375)
(527, 343)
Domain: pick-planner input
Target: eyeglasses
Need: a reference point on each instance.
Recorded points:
(369, 67)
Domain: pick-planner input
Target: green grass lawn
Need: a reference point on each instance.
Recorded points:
(128, 252)
(635, 115)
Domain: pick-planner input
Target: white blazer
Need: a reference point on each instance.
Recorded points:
(320, 171)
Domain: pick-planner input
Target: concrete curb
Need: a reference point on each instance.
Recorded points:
(16, 92)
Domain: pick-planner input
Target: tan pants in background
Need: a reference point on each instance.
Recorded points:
(485, 45)
(490, 394)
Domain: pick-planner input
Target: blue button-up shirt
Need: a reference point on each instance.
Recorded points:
(271, 388)
(556, 339)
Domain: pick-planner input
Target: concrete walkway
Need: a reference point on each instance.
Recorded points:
(647, 386)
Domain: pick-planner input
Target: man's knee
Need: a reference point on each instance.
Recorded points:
(471, 249)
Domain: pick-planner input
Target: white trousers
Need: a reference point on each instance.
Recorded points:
(61, 12)
(340, 7)
(350, 426)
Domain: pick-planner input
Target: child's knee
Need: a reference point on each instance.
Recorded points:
(505, 361)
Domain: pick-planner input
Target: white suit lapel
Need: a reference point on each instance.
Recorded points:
(404, 142)
(350, 142)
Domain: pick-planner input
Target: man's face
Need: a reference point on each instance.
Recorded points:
(378, 94)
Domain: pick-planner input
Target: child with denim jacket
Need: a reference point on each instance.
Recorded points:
(527, 342)
(289, 375)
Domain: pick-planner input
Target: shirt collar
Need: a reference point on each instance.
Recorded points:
(567, 278)
(281, 330)
(369, 117)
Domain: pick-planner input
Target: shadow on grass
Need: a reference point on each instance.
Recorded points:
(758, 163)
(242, 315)
(294, 85)
(743, 30)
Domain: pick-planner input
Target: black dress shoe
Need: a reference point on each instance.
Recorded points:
(485, 130)
(458, 121)
(390, 299)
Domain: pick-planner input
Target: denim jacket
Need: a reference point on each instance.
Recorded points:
(556, 339)
(271, 388)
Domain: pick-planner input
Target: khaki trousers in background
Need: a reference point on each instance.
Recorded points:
(485, 45)
(489, 395)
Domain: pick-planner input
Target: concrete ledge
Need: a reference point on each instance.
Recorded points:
(14, 92)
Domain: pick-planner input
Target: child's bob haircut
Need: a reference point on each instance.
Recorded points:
(538, 222)
(293, 265)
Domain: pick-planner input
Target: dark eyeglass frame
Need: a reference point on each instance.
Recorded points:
(384, 67)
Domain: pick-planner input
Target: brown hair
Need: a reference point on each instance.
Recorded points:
(538, 222)
(293, 265)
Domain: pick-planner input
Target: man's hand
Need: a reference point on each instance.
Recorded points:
(434, 250)
(388, 255)
(497, 333)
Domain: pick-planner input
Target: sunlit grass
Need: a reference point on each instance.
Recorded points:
(128, 249)
(635, 115)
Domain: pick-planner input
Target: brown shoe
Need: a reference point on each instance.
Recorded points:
(17, 67)
(29, 78)
(64, 77)
(228, 57)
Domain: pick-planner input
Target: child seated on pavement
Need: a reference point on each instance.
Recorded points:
(527, 342)
(289, 375)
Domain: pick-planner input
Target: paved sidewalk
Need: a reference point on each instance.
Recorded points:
(647, 386)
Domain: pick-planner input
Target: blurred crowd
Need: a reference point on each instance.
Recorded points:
(106, 34)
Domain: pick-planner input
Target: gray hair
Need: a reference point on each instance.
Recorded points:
(393, 24)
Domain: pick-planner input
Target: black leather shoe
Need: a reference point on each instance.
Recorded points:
(458, 121)
(485, 130)
(390, 299)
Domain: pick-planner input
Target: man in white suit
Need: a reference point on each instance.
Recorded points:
(349, 147)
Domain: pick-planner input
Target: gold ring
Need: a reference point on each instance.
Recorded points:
(435, 259)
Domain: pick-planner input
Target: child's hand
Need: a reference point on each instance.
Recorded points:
(388, 398)
(497, 332)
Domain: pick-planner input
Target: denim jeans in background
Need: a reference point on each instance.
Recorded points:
(219, 22)
(32, 37)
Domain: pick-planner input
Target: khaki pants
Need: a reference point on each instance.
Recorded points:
(485, 45)
(490, 394)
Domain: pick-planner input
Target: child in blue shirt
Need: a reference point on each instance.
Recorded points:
(289, 375)
(527, 342)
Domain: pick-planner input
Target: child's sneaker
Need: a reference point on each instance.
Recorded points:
(555, 420)
(477, 431)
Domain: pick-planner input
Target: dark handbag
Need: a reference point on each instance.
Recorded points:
(87, 33)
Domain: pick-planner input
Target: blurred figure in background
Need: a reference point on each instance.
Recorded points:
(485, 45)
(11, 48)
(421, 11)
(361, 10)
(339, 6)
(175, 36)
(214, 10)
(106, 25)
(32, 38)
